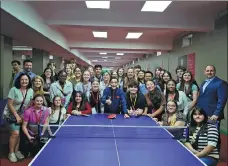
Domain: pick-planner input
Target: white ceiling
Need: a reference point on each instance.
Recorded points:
(75, 23)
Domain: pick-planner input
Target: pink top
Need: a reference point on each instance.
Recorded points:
(32, 117)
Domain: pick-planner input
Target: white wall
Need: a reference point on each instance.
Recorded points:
(210, 48)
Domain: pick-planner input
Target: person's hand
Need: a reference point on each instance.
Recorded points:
(194, 151)
(130, 112)
(74, 112)
(31, 139)
(214, 118)
(138, 112)
(126, 116)
(144, 113)
(160, 123)
(19, 119)
(155, 119)
(78, 113)
(109, 102)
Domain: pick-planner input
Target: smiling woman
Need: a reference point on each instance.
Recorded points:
(203, 138)
(18, 99)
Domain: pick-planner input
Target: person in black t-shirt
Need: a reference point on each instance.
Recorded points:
(136, 102)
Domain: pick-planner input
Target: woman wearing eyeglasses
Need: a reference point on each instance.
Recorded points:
(172, 117)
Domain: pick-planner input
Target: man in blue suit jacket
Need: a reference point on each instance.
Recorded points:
(213, 94)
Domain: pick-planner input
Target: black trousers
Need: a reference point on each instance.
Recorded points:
(27, 148)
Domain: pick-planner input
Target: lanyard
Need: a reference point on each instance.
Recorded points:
(97, 97)
(133, 103)
(38, 117)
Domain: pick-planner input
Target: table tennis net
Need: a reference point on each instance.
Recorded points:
(111, 131)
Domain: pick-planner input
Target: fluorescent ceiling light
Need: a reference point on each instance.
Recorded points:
(103, 53)
(105, 60)
(50, 56)
(155, 6)
(98, 4)
(117, 57)
(100, 34)
(120, 54)
(158, 53)
(22, 48)
(105, 57)
(133, 35)
(94, 60)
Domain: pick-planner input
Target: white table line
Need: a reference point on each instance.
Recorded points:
(117, 152)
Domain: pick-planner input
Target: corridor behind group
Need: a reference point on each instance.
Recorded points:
(188, 33)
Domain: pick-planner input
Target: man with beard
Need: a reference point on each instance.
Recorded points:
(27, 68)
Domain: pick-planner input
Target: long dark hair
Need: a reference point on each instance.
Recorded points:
(155, 97)
(82, 103)
(176, 98)
(193, 123)
(44, 76)
(17, 83)
(188, 91)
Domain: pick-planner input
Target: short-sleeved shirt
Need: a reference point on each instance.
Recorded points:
(17, 97)
(179, 117)
(35, 118)
(194, 88)
(53, 118)
(139, 102)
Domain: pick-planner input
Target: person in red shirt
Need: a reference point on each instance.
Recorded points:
(79, 105)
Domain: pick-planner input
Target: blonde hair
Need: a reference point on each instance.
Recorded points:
(41, 89)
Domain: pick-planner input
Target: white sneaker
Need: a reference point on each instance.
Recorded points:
(19, 155)
(12, 157)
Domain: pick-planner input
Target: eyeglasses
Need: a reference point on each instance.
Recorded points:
(172, 106)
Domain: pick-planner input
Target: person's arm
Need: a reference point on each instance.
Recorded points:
(46, 92)
(195, 95)
(180, 120)
(105, 96)
(70, 107)
(46, 127)
(159, 111)
(145, 111)
(87, 110)
(123, 101)
(69, 93)
(222, 98)
(189, 146)
(11, 98)
(52, 92)
(13, 110)
(184, 101)
(25, 123)
(179, 123)
(25, 130)
(212, 137)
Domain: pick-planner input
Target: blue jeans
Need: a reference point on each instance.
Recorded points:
(209, 161)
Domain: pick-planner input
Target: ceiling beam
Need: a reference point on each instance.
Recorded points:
(160, 46)
(195, 21)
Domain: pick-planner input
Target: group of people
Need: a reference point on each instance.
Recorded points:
(51, 97)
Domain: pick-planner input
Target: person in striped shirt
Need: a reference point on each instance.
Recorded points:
(203, 138)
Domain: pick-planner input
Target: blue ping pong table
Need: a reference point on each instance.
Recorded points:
(71, 151)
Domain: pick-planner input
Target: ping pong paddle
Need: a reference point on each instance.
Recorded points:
(112, 116)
